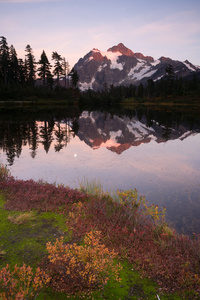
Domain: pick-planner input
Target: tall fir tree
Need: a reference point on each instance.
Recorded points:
(14, 65)
(22, 71)
(4, 60)
(58, 67)
(74, 77)
(44, 71)
(31, 65)
(66, 69)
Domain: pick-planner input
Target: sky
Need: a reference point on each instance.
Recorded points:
(74, 27)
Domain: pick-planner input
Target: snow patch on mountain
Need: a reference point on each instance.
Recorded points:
(138, 129)
(188, 66)
(85, 115)
(135, 69)
(186, 134)
(152, 137)
(113, 57)
(149, 74)
(96, 50)
(90, 58)
(141, 70)
(155, 63)
(85, 85)
(115, 134)
(158, 78)
(101, 67)
(101, 132)
(112, 142)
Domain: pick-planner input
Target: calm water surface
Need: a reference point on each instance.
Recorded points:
(156, 152)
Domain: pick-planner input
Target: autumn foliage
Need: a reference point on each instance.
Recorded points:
(27, 195)
(149, 244)
(21, 283)
(135, 230)
(85, 267)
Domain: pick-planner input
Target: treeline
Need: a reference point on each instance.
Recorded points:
(30, 79)
(168, 87)
(48, 133)
(29, 74)
(55, 128)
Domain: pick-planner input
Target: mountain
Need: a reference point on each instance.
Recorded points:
(118, 134)
(121, 66)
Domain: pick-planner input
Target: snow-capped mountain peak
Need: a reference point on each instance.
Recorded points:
(121, 66)
(122, 49)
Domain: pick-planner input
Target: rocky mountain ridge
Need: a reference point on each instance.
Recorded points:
(121, 66)
(118, 134)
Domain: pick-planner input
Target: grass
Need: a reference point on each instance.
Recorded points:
(21, 218)
(154, 260)
(93, 188)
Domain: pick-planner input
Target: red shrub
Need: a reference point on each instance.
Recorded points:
(173, 260)
(27, 195)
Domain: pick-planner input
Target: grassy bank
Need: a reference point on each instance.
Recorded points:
(89, 245)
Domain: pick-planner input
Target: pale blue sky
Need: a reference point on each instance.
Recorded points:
(74, 27)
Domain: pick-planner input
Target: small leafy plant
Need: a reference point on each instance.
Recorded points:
(22, 282)
(129, 198)
(81, 267)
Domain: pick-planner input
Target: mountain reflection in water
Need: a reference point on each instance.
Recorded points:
(157, 152)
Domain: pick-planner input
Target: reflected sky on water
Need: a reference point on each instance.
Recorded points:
(121, 153)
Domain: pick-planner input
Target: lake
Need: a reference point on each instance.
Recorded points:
(155, 150)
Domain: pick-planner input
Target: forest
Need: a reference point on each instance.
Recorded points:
(29, 79)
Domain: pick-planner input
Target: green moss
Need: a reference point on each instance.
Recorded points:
(58, 220)
(26, 242)
(131, 286)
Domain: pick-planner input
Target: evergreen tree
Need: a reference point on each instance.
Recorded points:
(33, 138)
(31, 65)
(26, 69)
(169, 76)
(22, 71)
(150, 88)
(14, 65)
(58, 67)
(49, 80)
(169, 72)
(46, 133)
(44, 70)
(66, 69)
(4, 59)
(74, 77)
